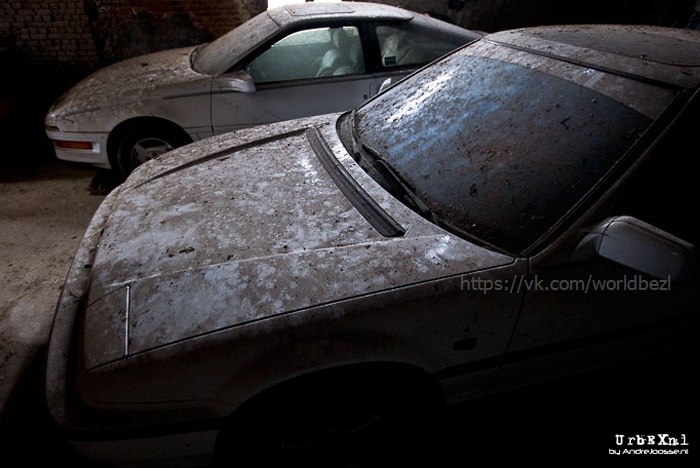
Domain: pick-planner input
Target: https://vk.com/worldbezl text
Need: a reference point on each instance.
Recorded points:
(589, 284)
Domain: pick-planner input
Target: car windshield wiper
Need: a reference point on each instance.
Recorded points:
(380, 170)
(377, 167)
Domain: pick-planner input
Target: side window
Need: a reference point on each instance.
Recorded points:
(404, 45)
(660, 191)
(309, 54)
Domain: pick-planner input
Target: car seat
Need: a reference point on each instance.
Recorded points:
(397, 50)
(339, 59)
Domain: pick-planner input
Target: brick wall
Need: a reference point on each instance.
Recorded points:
(87, 34)
(49, 31)
(126, 28)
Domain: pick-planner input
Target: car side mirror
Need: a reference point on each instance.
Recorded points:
(635, 244)
(238, 81)
(385, 84)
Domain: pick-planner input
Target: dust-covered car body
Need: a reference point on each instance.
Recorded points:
(391, 247)
(289, 62)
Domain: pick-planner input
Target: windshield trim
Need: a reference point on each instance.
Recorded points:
(360, 199)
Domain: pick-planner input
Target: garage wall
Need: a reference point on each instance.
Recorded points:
(126, 28)
(49, 31)
(82, 35)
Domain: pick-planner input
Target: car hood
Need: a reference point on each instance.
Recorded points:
(137, 79)
(241, 227)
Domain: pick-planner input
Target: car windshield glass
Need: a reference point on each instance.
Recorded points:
(499, 149)
(218, 56)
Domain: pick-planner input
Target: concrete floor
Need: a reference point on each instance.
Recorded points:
(45, 207)
(44, 211)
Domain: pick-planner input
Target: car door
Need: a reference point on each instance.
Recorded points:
(307, 72)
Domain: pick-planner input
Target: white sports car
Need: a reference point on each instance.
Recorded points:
(289, 62)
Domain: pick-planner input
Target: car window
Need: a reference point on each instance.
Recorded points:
(659, 190)
(501, 151)
(407, 45)
(219, 56)
(311, 53)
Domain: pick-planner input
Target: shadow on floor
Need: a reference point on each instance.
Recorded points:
(28, 436)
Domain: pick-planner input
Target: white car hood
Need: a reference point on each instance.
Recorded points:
(238, 228)
(137, 79)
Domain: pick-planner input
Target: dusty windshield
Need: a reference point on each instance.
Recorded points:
(500, 149)
(218, 56)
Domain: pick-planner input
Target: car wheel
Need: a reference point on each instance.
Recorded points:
(144, 143)
(346, 425)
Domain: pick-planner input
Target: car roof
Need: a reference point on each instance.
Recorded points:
(665, 55)
(312, 11)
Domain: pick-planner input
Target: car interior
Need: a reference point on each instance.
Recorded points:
(309, 54)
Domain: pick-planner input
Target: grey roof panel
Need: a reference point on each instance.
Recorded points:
(670, 56)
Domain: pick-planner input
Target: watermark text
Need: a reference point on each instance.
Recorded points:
(523, 283)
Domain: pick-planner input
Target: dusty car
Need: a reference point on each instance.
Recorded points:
(513, 212)
(288, 62)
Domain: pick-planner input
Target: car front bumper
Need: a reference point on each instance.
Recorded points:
(86, 148)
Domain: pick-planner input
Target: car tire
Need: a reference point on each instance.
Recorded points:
(334, 424)
(145, 142)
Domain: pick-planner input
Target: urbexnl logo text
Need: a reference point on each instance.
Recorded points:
(650, 444)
